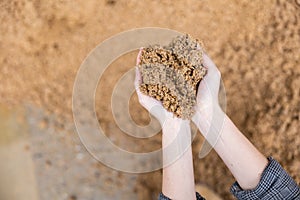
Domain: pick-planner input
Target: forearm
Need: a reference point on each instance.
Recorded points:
(244, 161)
(178, 174)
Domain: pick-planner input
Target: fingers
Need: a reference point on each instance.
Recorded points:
(138, 59)
(138, 79)
(213, 71)
(208, 62)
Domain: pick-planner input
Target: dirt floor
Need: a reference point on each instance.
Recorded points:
(255, 44)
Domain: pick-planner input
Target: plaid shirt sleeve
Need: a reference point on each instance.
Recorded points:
(275, 184)
(163, 197)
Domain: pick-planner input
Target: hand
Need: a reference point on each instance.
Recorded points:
(207, 109)
(154, 106)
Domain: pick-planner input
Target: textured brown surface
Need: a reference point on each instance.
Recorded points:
(172, 73)
(255, 44)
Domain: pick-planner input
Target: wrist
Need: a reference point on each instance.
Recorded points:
(208, 119)
(173, 123)
(176, 139)
(171, 129)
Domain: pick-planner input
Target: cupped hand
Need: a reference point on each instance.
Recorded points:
(207, 98)
(208, 89)
(154, 106)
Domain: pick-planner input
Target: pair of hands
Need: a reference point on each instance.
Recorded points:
(207, 99)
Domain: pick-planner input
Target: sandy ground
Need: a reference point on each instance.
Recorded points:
(17, 169)
(255, 44)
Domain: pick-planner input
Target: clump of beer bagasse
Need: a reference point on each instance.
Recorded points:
(172, 73)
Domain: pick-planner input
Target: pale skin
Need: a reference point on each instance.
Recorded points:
(244, 161)
(178, 177)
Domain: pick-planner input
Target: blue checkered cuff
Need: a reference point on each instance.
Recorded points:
(274, 184)
(163, 197)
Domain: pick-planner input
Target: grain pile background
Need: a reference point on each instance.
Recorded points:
(255, 44)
